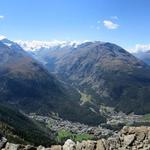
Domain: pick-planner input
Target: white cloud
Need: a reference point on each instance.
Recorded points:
(1, 17)
(140, 48)
(110, 25)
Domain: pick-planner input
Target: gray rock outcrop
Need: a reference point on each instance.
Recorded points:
(2, 141)
(129, 138)
(69, 145)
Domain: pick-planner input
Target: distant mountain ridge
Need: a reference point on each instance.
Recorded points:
(37, 45)
(27, 85)
(106, 72)
(41, 50)
(143, 55)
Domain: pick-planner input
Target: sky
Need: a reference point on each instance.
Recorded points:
(124, 22)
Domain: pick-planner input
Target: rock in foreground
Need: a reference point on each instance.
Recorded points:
(129, 138)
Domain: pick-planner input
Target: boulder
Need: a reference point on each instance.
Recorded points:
(86, 145)
(40, 148)
(56, 147)
(2, 142)
(11, 146)
(114, 142)
(100, 145)
(140, 136)
(124, 130)
(129, 139)
(69, 145)
(91, 145)
(80, 146)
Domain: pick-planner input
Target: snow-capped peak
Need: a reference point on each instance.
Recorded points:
(7, 42)
(36, 45)
(10, 43)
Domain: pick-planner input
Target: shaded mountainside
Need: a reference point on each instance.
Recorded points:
(107, 74)
(110, 74)
(18, 128)
(28, 85)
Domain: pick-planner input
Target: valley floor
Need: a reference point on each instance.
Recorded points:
(115, 121)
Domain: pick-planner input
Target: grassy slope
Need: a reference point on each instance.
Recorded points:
(63, 135)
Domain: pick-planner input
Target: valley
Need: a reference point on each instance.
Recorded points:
(102, 72)
(80, 94)
(115, 122)
(74, 75)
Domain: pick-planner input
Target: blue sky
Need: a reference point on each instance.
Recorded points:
(124, 22)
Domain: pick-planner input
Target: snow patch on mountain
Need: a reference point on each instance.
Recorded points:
(36, 45)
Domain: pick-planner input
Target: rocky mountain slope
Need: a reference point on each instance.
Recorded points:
(27, 85)
(129, 138)
(104, 73)
(110, 74)
(48, 52)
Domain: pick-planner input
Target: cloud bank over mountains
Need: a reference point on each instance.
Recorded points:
(140, 48)
(36, 44)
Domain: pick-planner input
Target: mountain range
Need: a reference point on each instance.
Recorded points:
(143, 55)
(27, 85)
(104, 73)
(70, 80)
